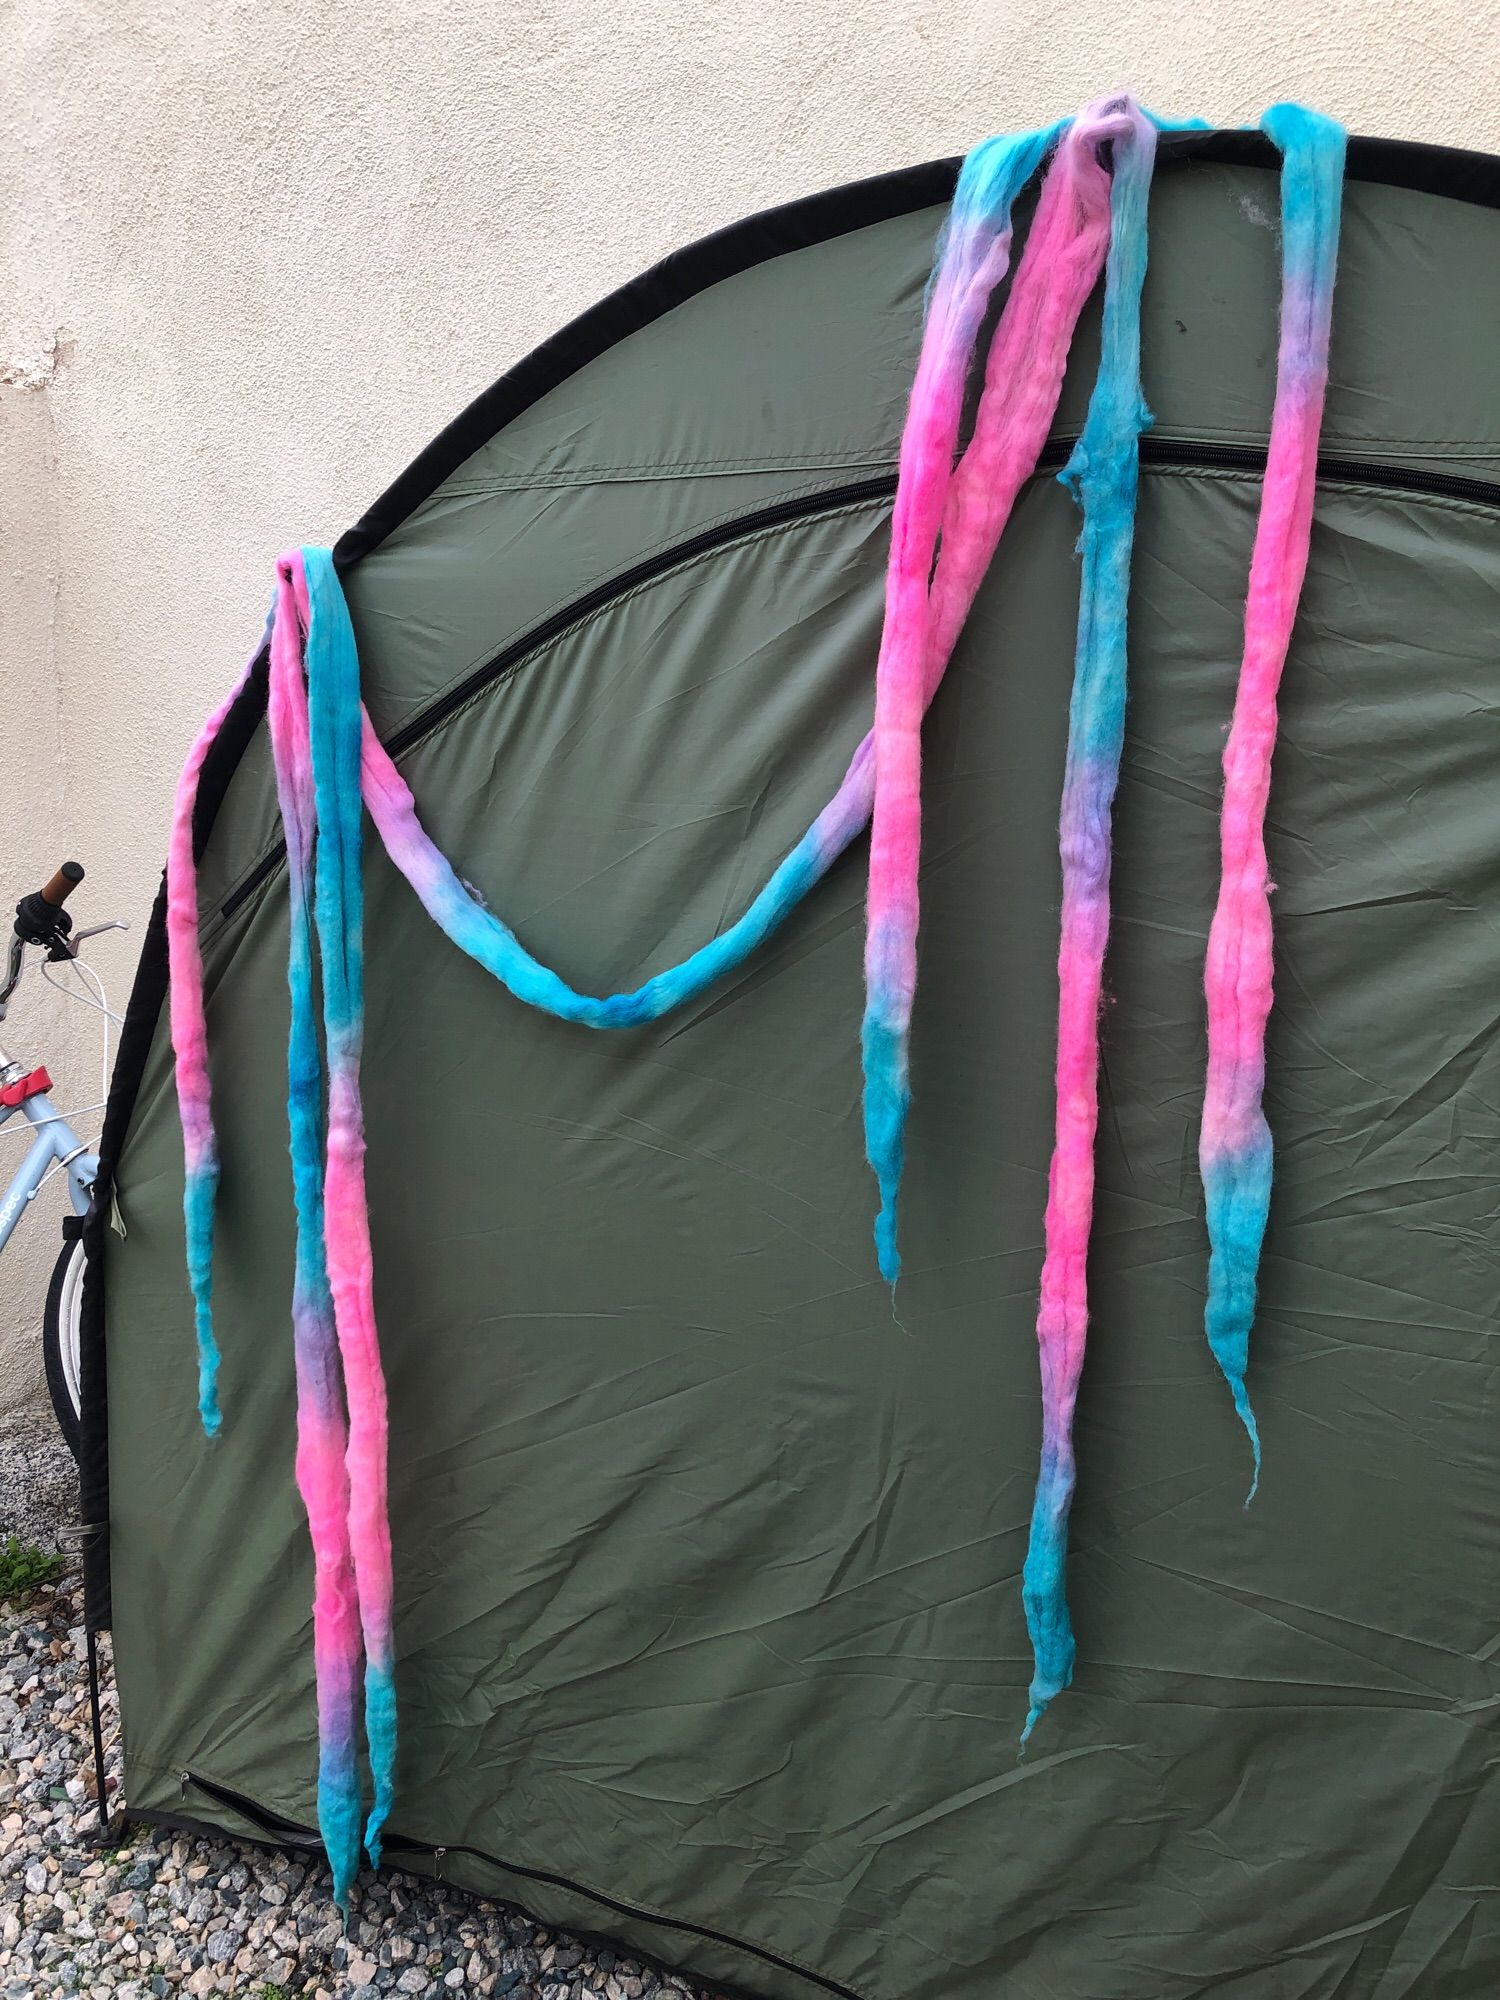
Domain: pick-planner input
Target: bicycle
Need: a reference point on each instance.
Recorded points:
(44, 925)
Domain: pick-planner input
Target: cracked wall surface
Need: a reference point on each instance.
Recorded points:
(255, 254)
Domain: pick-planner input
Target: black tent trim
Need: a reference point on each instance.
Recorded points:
(1184, 453)
(677, 278)
(280, 1833)
(1463, 176)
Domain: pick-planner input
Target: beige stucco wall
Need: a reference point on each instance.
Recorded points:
(257, 252)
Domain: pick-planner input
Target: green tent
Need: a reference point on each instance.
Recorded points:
(709, 1635)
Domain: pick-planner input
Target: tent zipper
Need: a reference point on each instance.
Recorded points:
(1192, 455)
(285, 1832)
(1189, 454)
(743, 527)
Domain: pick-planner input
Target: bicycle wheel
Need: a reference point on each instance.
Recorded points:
(60, 1340)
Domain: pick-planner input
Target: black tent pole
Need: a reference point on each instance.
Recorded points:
(100, 1792)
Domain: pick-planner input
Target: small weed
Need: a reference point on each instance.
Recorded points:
(25, 1569)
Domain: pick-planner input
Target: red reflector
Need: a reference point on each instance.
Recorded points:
(16, 1093)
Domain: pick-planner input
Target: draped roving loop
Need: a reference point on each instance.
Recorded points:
(954, 497)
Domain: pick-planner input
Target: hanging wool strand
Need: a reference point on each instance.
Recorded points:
(189, 1025)
(1234, 1152)
(924, 613)
(1103, 473)
(322, 1429)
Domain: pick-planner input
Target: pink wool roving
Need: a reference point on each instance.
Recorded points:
(322, 1426)
(189, 1026)
(1234, 1149)
(924, 613)
(335, 720)
(1103, 472)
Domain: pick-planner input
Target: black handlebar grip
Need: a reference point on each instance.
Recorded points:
(63, 883)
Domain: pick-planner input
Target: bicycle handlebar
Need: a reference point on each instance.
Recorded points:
(41, 918)
(63, 883)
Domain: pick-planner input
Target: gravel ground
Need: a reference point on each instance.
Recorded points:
(38, 1486)
(170, 1915)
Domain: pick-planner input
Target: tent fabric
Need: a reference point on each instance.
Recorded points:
(709, 1633)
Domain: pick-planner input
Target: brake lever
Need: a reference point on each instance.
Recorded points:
(59, 951)
(95, 930)
(12, 979)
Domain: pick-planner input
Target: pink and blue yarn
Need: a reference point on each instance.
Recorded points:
(950, 511)
(189, 1026)
(322, 1430)
(334, 723)
(973, 257)
(1235, 1149)
(946, 524)
(1103, 474)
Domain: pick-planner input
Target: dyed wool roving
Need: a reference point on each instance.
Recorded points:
(335, 715)
(1235, 1147)
(950, 510)
(200, 1183)
(322, 1432)
(1103, 473)
(924, 612)
(1234, 1151)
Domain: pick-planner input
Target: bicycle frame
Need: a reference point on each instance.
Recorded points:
(55, 1144)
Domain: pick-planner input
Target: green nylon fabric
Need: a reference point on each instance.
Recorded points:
(707, 1568)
